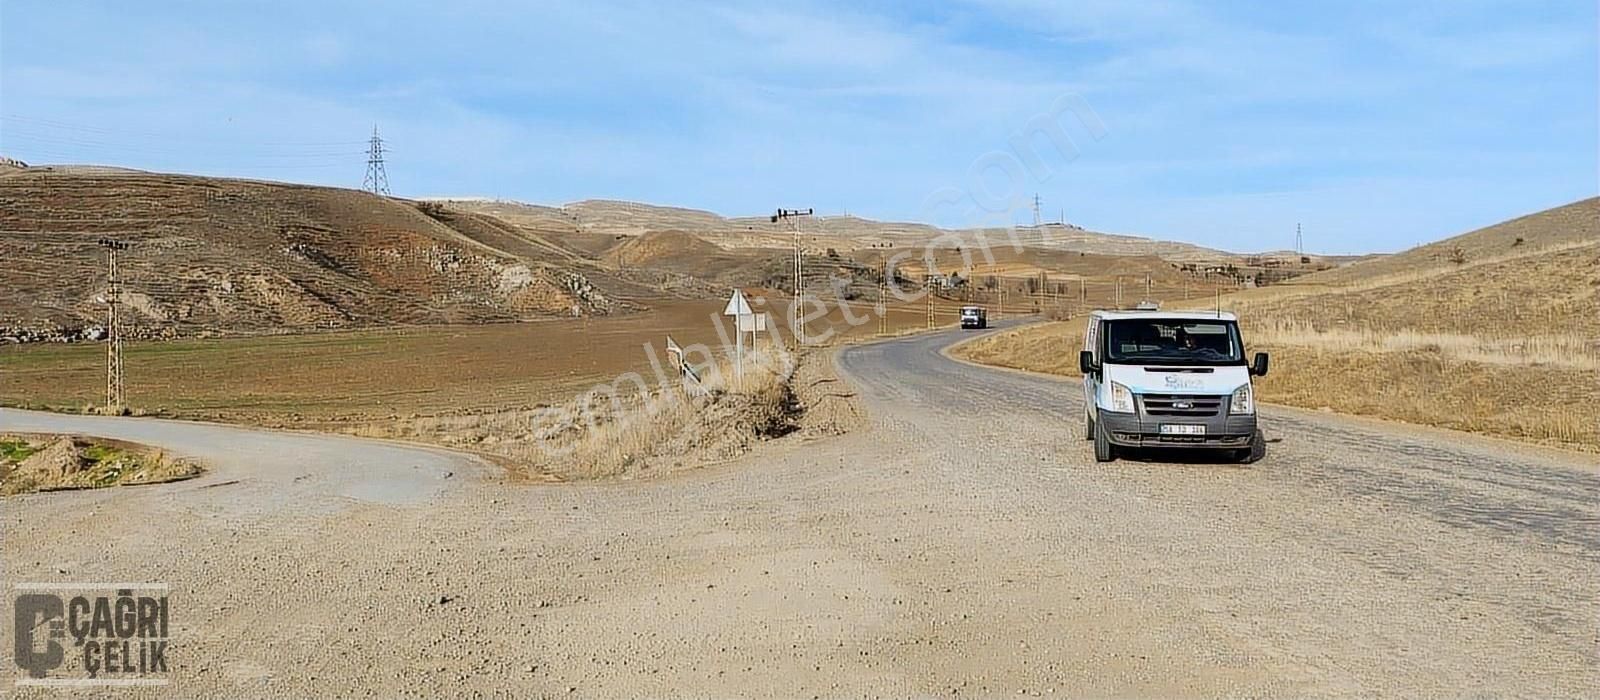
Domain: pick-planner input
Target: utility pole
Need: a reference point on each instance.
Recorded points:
(114, 385)
(377, 179)
(792, 216)
(1036, 220)
(883, 310)
(930, 306)
(1000, 311)
(1299, 243)
(1147, 296)
(1117, 298)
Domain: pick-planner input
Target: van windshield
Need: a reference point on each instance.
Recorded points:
(1173, 342)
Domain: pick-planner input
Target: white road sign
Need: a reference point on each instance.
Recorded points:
(737, 306)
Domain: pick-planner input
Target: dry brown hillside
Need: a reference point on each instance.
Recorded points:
(843, 233)
(663, 246)
(1573, 224)
(213, 254)
(1494, 330)
(223, 255)
(1532, 276)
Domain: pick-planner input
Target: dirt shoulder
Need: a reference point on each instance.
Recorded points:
(963, 543)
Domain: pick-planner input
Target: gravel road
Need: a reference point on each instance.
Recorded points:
(966, 542)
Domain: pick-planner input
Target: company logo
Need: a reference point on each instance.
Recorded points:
(91, 634)
(1182, 404)
(1177, 382)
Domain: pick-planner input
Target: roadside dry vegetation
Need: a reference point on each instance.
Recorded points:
(621, 432)
(1463, 384)
(1502, 339)
(30, 462)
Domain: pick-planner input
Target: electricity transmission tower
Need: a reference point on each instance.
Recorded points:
(114, 396)
(1036, 220)
(792, 216)
(377, 179)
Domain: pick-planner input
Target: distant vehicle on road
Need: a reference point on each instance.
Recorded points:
(1163, 379)
(974, 317)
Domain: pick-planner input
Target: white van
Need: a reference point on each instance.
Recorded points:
(1169, 379)
(974, 317)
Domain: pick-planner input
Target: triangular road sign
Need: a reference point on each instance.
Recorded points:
(737, 306)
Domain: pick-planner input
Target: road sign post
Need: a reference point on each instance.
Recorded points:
(743, 318)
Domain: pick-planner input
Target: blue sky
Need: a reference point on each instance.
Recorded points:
(1376, 125)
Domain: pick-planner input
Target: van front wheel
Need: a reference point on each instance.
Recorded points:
(1255, 452)
(1104, 451)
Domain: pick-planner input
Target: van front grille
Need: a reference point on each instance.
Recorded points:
(1181, 405)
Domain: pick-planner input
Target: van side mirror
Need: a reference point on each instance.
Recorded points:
(1086, 362)
(1259, 366)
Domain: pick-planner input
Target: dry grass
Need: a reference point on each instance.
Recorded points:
(1567, 351)
(1313, 285)
(1050, 347)
(1494, 331)
(1554, 293)
(625, 430)
(1528, 390)
(1428, 386)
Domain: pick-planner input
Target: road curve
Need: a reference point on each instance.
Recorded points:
(267, 469)
(966, 542)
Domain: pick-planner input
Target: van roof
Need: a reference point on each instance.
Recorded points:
(1176, 315)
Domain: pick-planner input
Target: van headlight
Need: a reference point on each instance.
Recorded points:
(1244, 402)
(1121, 399)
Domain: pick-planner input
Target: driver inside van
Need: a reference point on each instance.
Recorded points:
(1186, 341)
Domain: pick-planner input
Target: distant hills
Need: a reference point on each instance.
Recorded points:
(221, 255)
(838, 232)
(214, 254)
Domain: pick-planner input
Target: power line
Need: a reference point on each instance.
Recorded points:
(36, 155)
(173, 137)
(793, 217)
(12, 135)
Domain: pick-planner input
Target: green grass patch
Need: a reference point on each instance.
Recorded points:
(14, 451)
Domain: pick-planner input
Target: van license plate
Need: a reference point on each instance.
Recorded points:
(1171, 429)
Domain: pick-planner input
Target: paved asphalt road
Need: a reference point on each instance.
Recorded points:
(965, 542)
